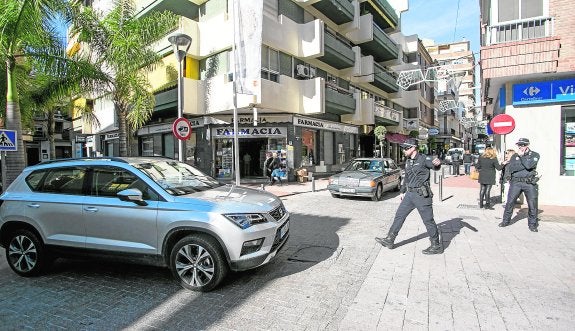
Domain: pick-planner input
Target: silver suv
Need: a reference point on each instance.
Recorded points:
(152, 209)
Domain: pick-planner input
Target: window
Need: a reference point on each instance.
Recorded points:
(63, 181)
(34, 180)
(270, 64)
(147, 146)
(510, 10)
(108, 181)
(568, 141)
(168, 141)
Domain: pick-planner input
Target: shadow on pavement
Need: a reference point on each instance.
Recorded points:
(99, 294)
(449, 229)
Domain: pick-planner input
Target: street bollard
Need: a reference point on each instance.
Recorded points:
(441, 187)
(313, 184)
(435, 177)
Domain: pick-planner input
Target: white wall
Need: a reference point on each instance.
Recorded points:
(542, 125)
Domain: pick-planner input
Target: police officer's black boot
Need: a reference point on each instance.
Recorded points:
(436, 246)
(387, 241)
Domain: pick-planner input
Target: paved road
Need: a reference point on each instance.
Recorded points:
(331, 275)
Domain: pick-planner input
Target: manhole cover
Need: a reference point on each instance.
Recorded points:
(312, 254)
(462, 206)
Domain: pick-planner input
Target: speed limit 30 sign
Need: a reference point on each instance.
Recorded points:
(182, 128)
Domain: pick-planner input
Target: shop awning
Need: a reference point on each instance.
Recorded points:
(396, 138)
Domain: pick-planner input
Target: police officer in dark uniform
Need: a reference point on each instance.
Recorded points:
(522, 168)
(416, 193)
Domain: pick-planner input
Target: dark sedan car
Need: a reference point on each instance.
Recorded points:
(366, 177)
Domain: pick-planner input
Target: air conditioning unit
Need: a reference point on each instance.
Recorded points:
(304, 71)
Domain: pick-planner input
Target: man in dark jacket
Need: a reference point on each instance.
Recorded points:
(522, 169)
(416, 193)
(467, 160)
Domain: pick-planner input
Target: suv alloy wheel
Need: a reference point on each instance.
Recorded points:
(26, 254)
(198, 263)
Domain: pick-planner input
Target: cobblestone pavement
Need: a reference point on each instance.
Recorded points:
(331, 275)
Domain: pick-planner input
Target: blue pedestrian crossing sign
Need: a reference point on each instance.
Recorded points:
(8, 141)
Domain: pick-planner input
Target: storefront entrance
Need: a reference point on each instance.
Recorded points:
(252, 157)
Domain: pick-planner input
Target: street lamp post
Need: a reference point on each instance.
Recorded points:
(181, 43)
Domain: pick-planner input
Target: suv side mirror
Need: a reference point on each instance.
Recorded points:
(132, 195)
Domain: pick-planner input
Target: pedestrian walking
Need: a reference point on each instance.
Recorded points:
(416, 193)
(455, 159)
(523, 170)
(486, 165)
(467, 160)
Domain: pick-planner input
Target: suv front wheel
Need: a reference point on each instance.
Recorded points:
(26, 254)
(197, 263)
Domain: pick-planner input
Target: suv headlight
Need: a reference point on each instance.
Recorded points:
(244, 221)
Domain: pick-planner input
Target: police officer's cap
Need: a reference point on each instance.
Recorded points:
(409, 143)
(522, 142)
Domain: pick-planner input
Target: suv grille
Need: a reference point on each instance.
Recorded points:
(278, 212)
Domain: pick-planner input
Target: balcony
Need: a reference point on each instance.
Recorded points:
(338, 101)
(519, 30)
(339, 11)
(182, 8)
(386, 115)
(383, 13)
(337, 53)
(166, 100)
(384, 79)
(381, 46)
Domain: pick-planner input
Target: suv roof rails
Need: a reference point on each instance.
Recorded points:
(117, 159)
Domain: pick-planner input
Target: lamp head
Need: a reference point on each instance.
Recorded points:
(181, 43)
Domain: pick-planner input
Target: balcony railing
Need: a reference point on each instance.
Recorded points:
(387, 113)
(518, 30)
(338, 100)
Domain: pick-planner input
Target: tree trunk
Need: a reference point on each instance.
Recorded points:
(51, 129)
(123, 129)
(15, 161)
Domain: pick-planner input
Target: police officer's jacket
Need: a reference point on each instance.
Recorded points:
(417, 172)
(523, 166)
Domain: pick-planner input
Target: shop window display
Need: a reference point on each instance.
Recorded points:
(568, 148)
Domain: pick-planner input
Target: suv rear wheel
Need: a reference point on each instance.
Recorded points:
(197, 263)
(26, 254)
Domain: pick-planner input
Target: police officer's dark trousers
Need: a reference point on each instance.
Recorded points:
(531, 192)
(412, 200)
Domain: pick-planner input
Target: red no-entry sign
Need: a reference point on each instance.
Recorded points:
(502, 124)
(182, 128)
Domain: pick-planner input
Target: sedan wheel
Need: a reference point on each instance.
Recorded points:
(378, 193)
(197, 262)
(26, 254)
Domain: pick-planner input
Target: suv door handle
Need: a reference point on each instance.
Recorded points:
(33, 205)
(91, 209)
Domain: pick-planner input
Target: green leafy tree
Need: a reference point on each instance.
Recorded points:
(122, 42)
(29, 38)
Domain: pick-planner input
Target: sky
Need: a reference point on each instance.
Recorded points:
(436, 19)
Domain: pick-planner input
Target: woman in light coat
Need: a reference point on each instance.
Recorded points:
(486, 165)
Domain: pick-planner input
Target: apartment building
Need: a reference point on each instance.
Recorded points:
(318, 78)
(457, 93)
(528, 72)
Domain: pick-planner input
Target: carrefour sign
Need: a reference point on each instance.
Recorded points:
(544, 92)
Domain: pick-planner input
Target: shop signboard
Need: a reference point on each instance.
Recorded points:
(553, 91)
(324, 125)
(251, 132)
(433, 132)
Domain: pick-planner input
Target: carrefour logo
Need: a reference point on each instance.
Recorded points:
(531, 91)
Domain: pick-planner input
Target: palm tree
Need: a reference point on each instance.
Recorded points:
(123, 43)
(28, 36)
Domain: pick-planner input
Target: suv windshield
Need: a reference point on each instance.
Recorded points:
(177, 178)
